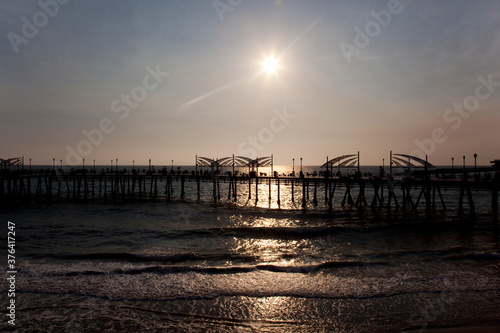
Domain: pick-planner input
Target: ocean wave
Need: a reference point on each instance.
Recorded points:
(257, 232)
(423, 254)
(138, 257)
(281, 232)
(211, 270)
(480, 256)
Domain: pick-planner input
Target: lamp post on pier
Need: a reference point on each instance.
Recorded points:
(293, 167)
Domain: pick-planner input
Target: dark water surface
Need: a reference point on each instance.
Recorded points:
(188, 267)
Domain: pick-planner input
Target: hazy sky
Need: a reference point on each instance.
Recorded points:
(88, 79)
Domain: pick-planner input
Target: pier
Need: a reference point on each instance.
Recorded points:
(420, 191)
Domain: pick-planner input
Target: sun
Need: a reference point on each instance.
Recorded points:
(270, 65)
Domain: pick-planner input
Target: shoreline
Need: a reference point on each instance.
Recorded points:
(487, 327)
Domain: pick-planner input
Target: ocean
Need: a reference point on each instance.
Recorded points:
(246, 266)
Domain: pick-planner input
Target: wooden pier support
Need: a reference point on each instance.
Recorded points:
(256, 189)
(214, 189)
(67, 187)
(377, 200)
(392, 195)
(425, 192)
(74, 187)
(235, 190)
(361, 200)
(168, 187)
(494, 201)
(304, 205)
(327, 188)
(38, 189)
(465, 188)
(183, 181)
(440, 197)
(381, 193)
(278, 201)
(269, 180)
(2, 196)
(9, 188)
(156, 188)
(347, 194)
(407, 200)
(330, 200)
(315, 199)
(198, 188)
(307, 191)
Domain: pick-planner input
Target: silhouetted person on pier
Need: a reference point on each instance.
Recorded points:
(381, 172)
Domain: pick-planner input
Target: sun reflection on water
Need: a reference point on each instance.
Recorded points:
(258, 221)
(270, 307)
(270, 240)
(270, 250)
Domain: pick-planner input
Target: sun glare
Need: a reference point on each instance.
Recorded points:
(270, 65)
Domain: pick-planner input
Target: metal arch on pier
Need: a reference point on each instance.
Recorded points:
(13, 161)
(237, 161)
(262, 161)
(344, 161)
(205, 161)
(404, 160)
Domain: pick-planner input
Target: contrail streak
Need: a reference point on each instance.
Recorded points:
(213, 92)
(309, 28)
